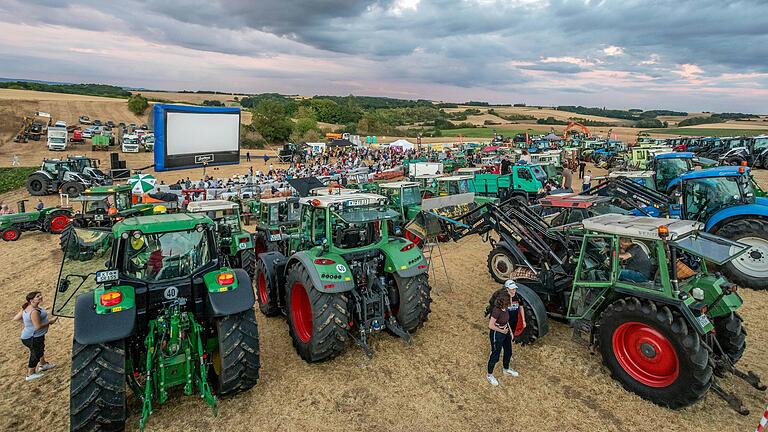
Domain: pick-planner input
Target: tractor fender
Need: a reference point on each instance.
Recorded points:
(92, 328)
(513, 250)
(406, 264)
(539, 310)
(239, 245)
(342, 281)
(275, 263)
(759, 210)
(233, 301)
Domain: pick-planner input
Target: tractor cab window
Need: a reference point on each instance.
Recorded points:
(668, 169)
(293, 211)
(355, 227)
(273, 215)
(411, 195)
(639, 263)
(523, 174)
(158, 257)
(705, 196)
(318, 226)
(123, 200)
(539, 173)
(760, 145)
(87, 252)
(98, 204)
(593, 274)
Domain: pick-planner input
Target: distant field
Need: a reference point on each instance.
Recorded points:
(193, 98)
(707, 132)
(486, 132)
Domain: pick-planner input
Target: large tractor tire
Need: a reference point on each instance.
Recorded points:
(653, 352)
(535, 312)
(750, 268)
(266, 294)
(236, 365)
(501, 264)
(317, 321)
(97, 388)
(247, 261)
(731, 336)
(56, 222)
(261, 244)
(37, 185)
(411, 301)
(72, 188)
(11, 234)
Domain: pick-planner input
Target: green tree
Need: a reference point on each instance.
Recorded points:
(306, 112)
(305, 129)
(137, 104)
(271, 121)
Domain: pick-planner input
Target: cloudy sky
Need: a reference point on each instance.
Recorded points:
(709, 55)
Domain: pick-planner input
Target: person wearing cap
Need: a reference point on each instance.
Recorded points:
(503, 325)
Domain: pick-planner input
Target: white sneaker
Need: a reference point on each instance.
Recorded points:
(492, 379)
(34, 376)
(46, 367)
(512, 372)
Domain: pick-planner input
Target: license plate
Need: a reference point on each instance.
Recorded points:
(703, 320)
(106, 276)
(274, 237)
(98, 217)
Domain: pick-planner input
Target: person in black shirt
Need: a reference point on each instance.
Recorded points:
(506, 318)
(636, 264)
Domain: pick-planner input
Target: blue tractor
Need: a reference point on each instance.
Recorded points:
(724, 200)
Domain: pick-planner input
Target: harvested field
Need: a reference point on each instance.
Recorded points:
(192, 98)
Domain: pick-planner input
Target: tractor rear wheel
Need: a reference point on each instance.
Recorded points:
(317, 321)
(731, 335)
(37, 185)
(748, 269)
(501, 264)
(654, 353)
(11, 234)
(266, 294)
(247, 260)
(56, 222)
(536, 325)
(411, 303)
(236, 365)
(68, 232)
(97, 388)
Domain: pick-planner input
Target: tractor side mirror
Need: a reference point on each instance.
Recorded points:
(63, 285)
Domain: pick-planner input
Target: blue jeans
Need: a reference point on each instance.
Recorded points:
(632, 276)
(585, 187)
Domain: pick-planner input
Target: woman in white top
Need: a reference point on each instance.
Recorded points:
(36, 322)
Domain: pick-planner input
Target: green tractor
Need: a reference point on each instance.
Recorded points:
(52, 220)
(277, 218)
(662, 329)
(348, 279)
(235, 244)
(155, 311)
(104, 206)
(404, 198)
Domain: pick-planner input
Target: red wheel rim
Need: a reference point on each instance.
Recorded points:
(58, 223)
(645, 354)
(301, 312)
(262, 284)
(10, 235)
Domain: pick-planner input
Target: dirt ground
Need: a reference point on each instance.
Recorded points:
(437, 383)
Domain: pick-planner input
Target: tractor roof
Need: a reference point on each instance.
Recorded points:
(571, 200)
(723, 171)
(675, 155)
(428, 176)
(640, 226)
(333, 190)
(358, 199)
(398, 185)
(455, 178)
(630, 174)
(101, 190)
(275, 200)
(160, 223)
(211, 205)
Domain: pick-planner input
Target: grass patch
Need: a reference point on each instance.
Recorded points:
(14, 178)
(480, 132)
(708, 132)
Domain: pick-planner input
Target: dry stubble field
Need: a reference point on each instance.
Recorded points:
(435, 384)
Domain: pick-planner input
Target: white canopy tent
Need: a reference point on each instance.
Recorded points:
(405, 145)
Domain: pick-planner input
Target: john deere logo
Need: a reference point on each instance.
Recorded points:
(171, 292)
(340, 268)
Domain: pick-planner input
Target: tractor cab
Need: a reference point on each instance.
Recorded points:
(103, 200)
(230, 236)
(404, 197)
(455, 185)
(703, 193)
(89, 167)
(277, 219)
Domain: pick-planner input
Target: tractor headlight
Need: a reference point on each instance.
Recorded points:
(199, 227)
(136, 234)
(124, 236)
(697, 294)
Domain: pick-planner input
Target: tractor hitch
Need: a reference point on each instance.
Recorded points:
(731, 399)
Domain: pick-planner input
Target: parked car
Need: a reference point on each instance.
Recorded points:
(60, 123)
(85, 120)
(144, 126)
(121, 125)
(88, 133)
(110, 123)
(97, 122)
(132, 126)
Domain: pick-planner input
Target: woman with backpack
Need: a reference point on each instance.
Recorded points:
(506, 321)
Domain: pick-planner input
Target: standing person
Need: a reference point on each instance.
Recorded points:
(500, 335)
(36, 322)
(247, 156)
(567, 182)
(587, 181)
(525, 158)
(266, 159)
(582, 167)
(15, 161)
(39, 206)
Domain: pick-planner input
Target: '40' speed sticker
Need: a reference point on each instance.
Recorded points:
(340, 268)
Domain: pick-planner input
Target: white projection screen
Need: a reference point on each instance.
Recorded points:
(194, 137)
(193, 133)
